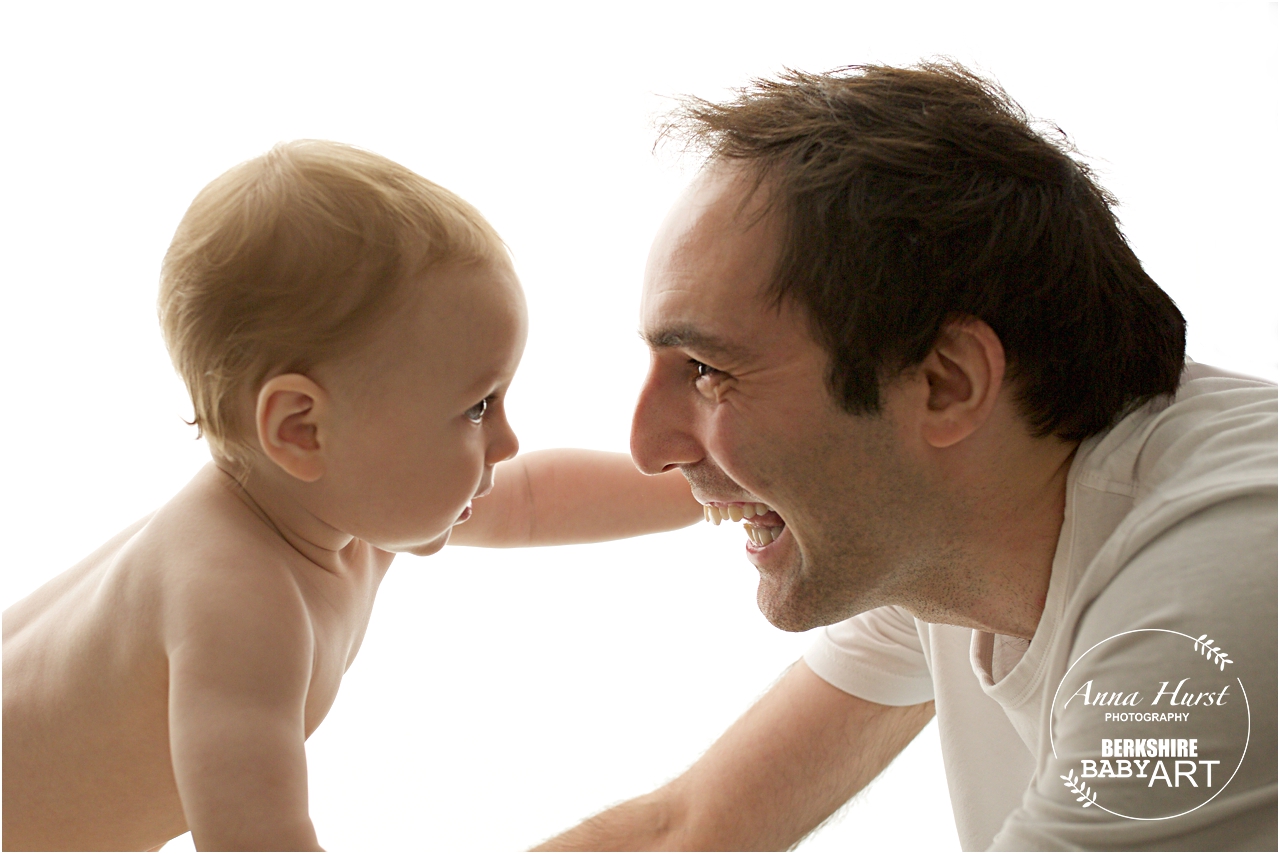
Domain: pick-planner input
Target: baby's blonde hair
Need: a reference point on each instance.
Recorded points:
(292, 259)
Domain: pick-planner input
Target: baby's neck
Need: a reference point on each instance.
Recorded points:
(279, 508)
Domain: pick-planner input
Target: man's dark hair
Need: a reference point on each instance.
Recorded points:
(913, 196)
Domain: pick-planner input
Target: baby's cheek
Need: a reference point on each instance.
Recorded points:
(454, 484)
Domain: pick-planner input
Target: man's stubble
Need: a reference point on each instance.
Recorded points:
(867, 528)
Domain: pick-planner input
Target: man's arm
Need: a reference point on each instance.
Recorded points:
(792, 760)
(240, 659)
(566, 496)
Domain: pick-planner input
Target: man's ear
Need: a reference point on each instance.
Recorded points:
(965, 372)
(290, 418)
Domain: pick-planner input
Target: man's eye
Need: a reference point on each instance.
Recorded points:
(703, 369)
(708, 381)
(476, 413)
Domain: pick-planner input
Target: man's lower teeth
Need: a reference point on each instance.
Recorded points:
(761, 535)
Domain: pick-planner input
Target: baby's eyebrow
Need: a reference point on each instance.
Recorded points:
(687, 337)
(485, 383)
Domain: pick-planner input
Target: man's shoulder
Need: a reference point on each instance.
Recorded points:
(1218, 434)
(1196, 551)
(1199, 539)
(1218, 430)
(1215, 566)
(1214, 442)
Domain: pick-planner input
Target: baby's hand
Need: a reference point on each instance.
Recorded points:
(566, 496)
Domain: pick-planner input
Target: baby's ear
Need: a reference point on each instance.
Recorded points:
(290, 414)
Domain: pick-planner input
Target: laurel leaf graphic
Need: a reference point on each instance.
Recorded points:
(1212, 653)
(1087, 797)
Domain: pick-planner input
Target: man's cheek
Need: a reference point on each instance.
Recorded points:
(735, 451)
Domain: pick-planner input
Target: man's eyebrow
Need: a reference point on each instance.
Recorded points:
(686, 337)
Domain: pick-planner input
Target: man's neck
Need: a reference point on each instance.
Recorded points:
(1022, 541)
(1004, 536)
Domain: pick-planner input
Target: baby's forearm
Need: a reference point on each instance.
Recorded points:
(566, 496)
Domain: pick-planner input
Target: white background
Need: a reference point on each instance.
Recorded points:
(501, 696)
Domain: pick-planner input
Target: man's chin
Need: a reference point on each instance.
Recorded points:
(795, 602)
(786, 607)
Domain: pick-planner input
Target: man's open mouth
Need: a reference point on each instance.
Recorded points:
(762, 524)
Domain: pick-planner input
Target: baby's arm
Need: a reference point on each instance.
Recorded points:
(240, 659)
(550, 498)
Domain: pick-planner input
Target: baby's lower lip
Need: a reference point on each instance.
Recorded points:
(464, 516)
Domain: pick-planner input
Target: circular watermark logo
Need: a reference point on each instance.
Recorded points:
(1154, 723)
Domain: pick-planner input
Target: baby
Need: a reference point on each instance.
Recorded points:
(347, 331)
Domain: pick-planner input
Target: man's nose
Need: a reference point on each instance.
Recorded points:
(663, 427)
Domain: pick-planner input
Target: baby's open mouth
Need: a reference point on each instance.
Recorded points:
(763, 525)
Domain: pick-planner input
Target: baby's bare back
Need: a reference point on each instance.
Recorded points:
(86, 753)
(87, 665)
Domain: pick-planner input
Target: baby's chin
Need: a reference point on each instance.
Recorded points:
(431, 546)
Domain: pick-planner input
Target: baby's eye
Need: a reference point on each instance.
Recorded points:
(476, 413)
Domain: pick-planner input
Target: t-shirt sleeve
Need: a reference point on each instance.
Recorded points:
(876, 655)
(1213, 572)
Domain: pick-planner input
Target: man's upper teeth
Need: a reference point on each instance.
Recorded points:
(734, 512)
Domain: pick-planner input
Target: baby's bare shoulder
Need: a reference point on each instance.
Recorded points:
(202, 556)
(219, 569)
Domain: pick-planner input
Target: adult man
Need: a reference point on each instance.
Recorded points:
(907, 324)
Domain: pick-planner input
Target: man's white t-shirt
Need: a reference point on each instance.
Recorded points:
(1169, 525)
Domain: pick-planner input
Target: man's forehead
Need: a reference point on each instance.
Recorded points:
(719, 221)
(709, 269)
